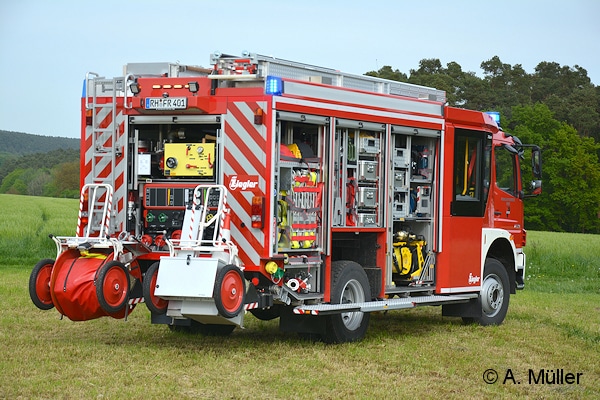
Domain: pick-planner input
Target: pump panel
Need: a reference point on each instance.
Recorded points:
(189, 159)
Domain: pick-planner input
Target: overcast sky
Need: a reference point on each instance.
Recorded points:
(47, 46)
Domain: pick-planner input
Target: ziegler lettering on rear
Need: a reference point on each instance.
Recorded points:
(243, 182)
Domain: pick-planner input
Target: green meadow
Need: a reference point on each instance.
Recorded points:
(552, 330)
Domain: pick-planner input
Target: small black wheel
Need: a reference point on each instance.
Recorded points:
(495, 294)
(39, 284)
(350, 284)
(154, 304)
(229, 291)
(112, 287)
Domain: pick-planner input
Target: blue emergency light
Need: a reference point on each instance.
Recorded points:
(495, 116)
(273, 85)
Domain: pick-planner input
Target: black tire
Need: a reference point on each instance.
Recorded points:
(349, 284)
(112, 287)
(196, 327)
(39, 284)
(154, 304)
(267, 314)
(229, 291)
(495, 294)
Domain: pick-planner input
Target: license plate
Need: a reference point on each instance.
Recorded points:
(166, 103)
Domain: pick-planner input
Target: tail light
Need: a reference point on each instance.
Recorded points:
(83, 213)
(258, 116)
(258, 212)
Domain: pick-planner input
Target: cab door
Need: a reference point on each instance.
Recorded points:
(466, 194)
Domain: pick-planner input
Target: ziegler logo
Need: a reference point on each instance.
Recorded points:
(243, 182)
(473, 280)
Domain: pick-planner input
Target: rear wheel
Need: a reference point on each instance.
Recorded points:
(229, 291)
(495, 294)
(39, 284)
(154, 304)
(112, 287)
(350, 284)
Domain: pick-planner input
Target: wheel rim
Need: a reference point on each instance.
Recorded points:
(352, 293)
(232, 291)
(114, 288)
(42, 284)
(492, 296)
(157, 301)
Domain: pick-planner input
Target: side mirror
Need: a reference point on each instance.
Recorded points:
(534, 188)
(536, 163)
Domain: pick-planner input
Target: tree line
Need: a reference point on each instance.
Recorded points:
(556, 107)
(51, 174)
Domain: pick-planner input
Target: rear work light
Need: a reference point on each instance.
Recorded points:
(258, 212)
(274, 85)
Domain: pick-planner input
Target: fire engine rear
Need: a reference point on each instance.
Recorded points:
(290, 191)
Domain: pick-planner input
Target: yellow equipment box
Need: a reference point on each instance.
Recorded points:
(189, 159)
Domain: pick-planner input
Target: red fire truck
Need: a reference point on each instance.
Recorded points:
(290, 191)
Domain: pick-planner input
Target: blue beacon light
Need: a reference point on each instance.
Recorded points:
(273, 85)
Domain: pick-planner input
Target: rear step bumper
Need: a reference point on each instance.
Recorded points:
(383, 305)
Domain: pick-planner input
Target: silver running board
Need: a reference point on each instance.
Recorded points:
(383, 305)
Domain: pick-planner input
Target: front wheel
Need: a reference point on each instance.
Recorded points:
(350, 284)
(495, 294)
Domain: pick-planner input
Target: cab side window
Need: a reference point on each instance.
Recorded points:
(505, 170)
(472, 165)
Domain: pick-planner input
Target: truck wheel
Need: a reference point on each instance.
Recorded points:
(495, 294)
(112, 287)
(229, 291)
(39, 284)
(154, 304)
(350, 284)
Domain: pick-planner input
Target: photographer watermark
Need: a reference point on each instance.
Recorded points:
(532, 377)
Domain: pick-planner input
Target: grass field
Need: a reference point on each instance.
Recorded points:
(554, 324)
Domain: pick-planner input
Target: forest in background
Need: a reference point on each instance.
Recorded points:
(38, 165)
(556, 107)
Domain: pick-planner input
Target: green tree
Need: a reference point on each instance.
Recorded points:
(37, 181)
(569, 93)
(13, 183)
(66, 179)
(431, 73)
(571, 173)
(508, 85)
(386, 72)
